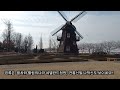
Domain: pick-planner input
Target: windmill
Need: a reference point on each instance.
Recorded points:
(70, 35)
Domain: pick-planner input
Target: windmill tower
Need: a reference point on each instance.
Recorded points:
(69, 38)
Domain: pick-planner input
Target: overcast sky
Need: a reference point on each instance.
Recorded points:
(95, 26)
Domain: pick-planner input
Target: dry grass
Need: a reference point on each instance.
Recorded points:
(50, 58)
(93, 65)
(15, 59)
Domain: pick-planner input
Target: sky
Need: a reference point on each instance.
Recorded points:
(95, 26)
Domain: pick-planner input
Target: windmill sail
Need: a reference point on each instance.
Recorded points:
(79, 34)
(77, 17)
(63, 15)
(57, 30)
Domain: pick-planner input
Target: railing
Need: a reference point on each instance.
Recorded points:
(113, 59)
(77, 38)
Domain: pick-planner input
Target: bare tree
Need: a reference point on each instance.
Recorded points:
(27, 43)
(90, 47)
(53, 44)
(7, 35)
(99, 47)
(109, 45)
(118, 44)
(82, 47)
(93, 47)
(105, 46)
(18, 41)
(30, 42)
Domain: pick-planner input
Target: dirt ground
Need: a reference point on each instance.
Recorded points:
(113, 66)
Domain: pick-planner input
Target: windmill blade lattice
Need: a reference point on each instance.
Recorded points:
(57, 30)
(79, 34)
(77, 17)
(63, 15)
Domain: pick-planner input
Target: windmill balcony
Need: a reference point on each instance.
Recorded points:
(77, 38)
(58, 38)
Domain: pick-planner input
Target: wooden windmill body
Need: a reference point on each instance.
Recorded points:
(69, 38)
(68, 41)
